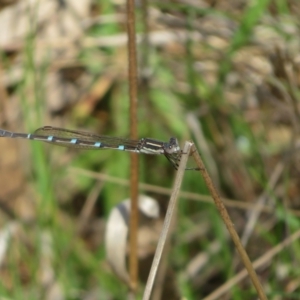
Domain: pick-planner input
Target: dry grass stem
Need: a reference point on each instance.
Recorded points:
(225, 217)
(165, 234)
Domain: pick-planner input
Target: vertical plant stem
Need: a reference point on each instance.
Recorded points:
(132, 73)
(225, 216)
(168, 220)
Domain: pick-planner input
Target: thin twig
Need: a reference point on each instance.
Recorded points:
(88, 207)
(254, 215)
(258, 263)
(188, 195)
(168, 219)
(225, 216)
(132, 73)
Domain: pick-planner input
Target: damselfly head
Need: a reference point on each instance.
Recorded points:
(172, 146)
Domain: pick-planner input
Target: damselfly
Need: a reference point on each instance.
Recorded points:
(86, 140)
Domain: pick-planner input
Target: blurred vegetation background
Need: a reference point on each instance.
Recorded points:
(225, 74)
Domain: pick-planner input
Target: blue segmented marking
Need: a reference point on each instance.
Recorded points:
(98, 144)
(73, 141)
(121, 147)
(50, 138)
